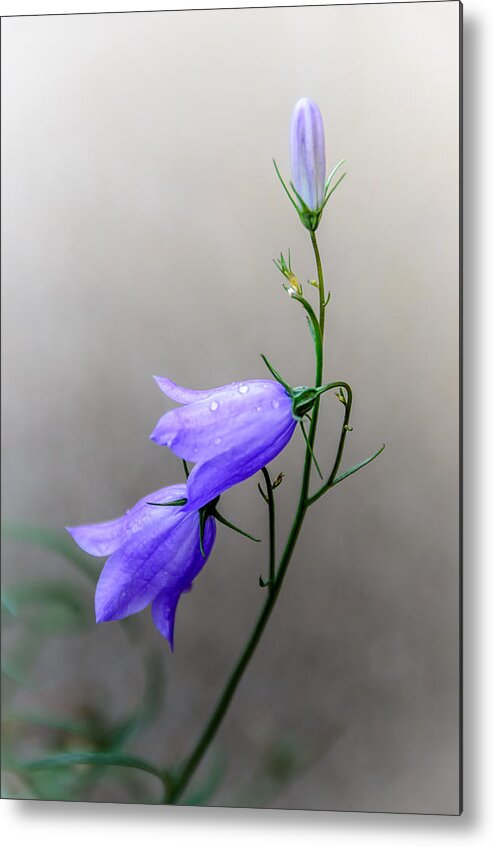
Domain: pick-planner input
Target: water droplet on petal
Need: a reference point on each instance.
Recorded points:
(214, 405)
(275, 404)
(243, 389)
(217, 440)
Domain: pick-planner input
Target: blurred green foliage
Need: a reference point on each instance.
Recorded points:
(83, 748)
(79, 748)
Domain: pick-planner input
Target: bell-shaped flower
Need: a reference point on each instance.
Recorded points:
(155, 552)
(230, 432)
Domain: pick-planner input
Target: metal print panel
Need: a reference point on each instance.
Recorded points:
(237, 583)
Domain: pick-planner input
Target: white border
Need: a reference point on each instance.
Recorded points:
(82, 824)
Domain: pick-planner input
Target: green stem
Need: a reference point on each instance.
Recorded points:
(182, 780)
(341, 446)
(320, 279)
(319, 372)
(272, 527)
(209, 732)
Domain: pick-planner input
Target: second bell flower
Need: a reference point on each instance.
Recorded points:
(230, 432)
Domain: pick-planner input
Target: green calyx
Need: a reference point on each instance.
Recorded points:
(310, 218)
(207, 511)
(302, 396)
(210, 510)
(303, 399)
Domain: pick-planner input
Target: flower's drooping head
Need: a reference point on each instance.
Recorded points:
(230, 432)
(308, 154)
(155, 552)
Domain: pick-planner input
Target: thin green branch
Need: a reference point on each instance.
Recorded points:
(320, 280)
(272, 525)
(345, 428)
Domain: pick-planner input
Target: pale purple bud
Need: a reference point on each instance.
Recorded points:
(307, 152)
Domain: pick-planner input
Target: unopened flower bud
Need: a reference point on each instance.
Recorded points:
(307, 152)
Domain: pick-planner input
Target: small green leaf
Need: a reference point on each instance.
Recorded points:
(357, 467)
(335, 186)
(224, 521)
(275, 373)
(181, 502)
(314, 325)
(330, 177)
(309, 448)
(292, 201)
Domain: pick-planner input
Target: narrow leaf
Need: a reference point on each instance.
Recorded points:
(357, 467)
(292, 201)
(224, 521)
(335, 186)
(275, 373)
(181, 502)
(330, 177)
(309, 448)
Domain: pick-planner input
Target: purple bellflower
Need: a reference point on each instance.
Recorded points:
(307, 153)
(230, 432)
(155, 552)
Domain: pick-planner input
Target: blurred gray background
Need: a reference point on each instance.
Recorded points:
(140, 216)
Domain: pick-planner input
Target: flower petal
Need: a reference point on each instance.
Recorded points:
(165, 604)
(209, 479)
(102, 539)
(180, 394)
(164, 609)
(234, 416)
(160, 556)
